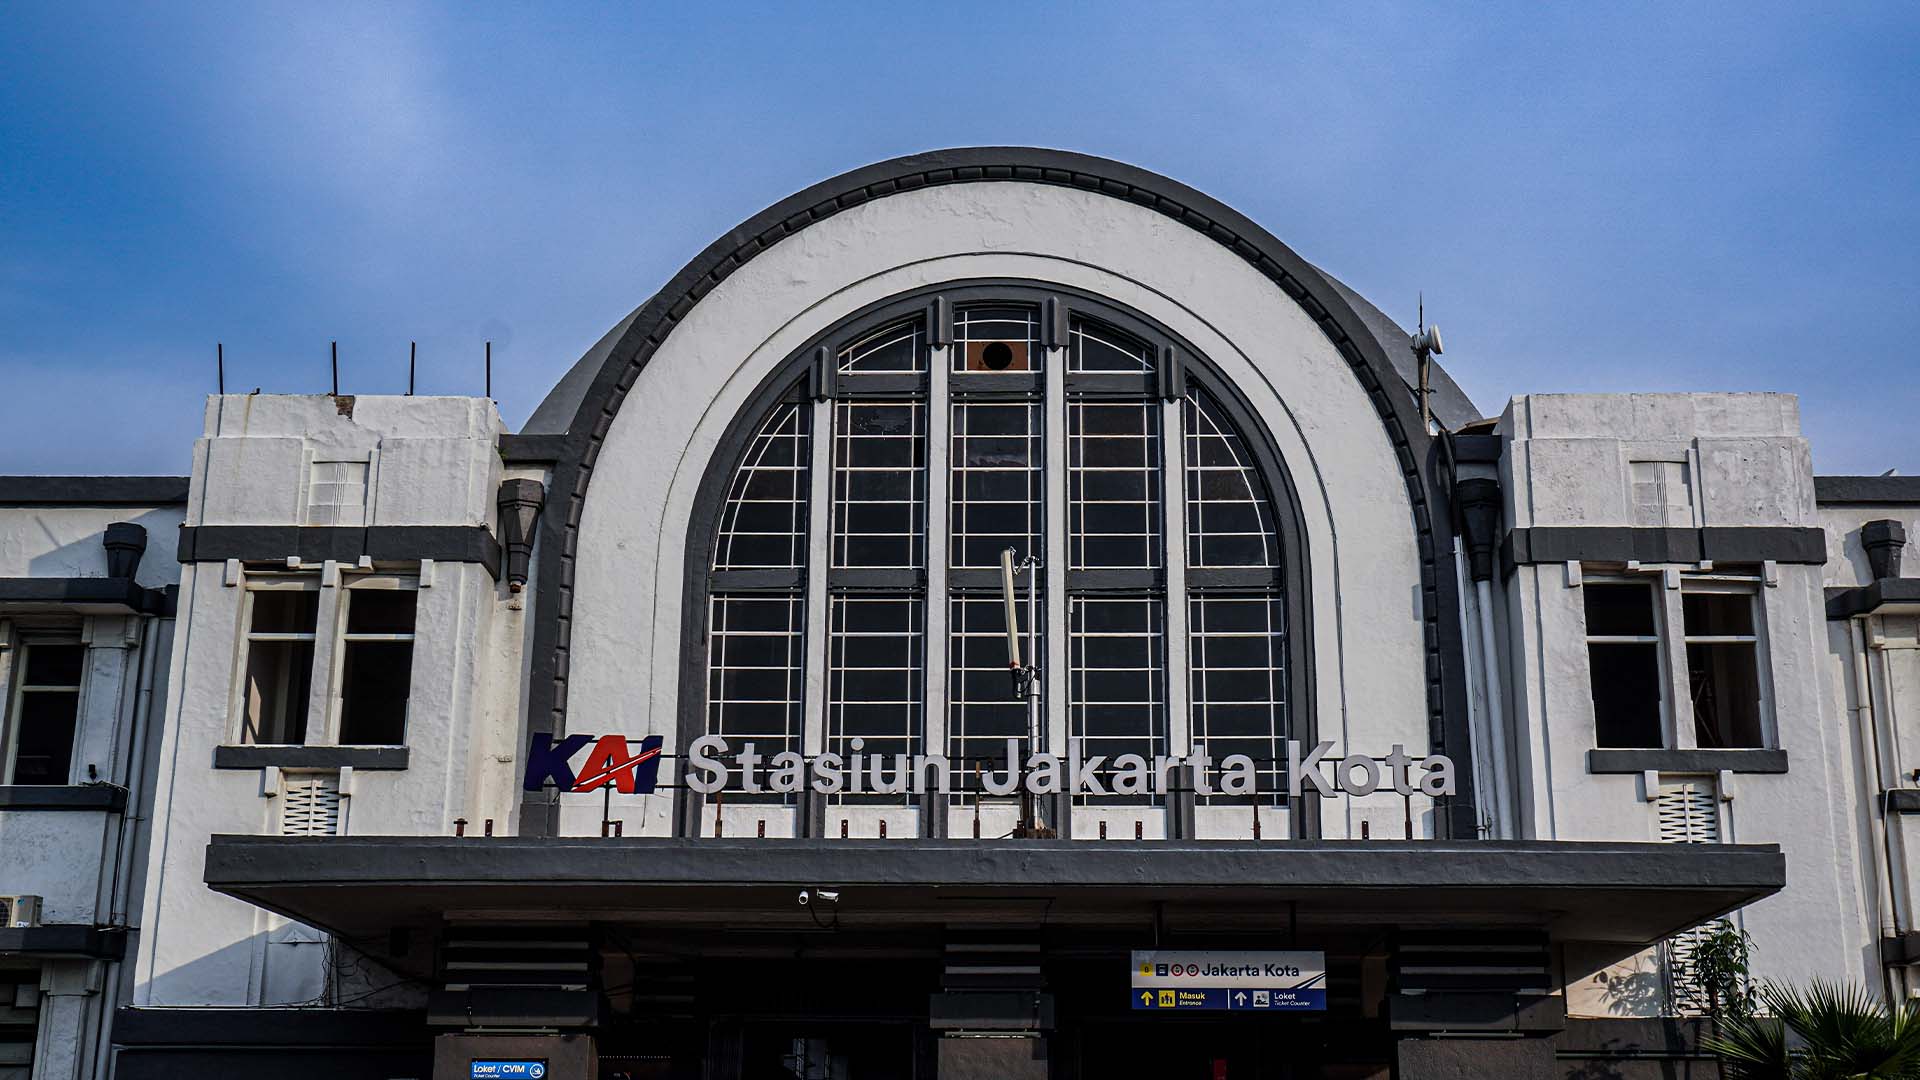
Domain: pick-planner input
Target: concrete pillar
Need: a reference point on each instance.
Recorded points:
(64, 1046)
(1472, 1059)
(993, 1057)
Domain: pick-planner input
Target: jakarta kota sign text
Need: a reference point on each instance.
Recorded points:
(1175, 980)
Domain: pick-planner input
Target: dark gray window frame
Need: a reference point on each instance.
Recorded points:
(801, 376)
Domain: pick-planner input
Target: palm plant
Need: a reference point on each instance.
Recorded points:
(1826, 1032)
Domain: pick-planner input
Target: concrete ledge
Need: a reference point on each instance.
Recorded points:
(97, 942)
(270, 1028)
(1757, 543)
(1477, 449)
(1902, 801)
(114, 594)
(1866, 490)
(1686, 761)
(389, 758)
(110, 798)
(317, 543)
(1845, 603)
(532, 449)
(513, 1006)
(93, 490)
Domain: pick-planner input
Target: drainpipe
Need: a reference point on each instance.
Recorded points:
(1863, 691)
(1479, 502)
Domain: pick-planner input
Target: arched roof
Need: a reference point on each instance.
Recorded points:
(582, 406)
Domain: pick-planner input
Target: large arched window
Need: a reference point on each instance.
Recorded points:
(850, 586)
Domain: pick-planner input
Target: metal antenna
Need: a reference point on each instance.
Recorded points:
(336, 369)
(220, 367)
(413, 348)
(489, 370)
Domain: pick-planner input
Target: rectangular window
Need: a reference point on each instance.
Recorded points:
(1238, 673)
(991, 340)
(1117, 675)
(1113, 485)
(281, 626)
(1623, 659)
(879, 484)
(756, 670)
(1723, 668)
(982, 711)
(876, 658)
(997, 492)
(46, 712)
(376, 667)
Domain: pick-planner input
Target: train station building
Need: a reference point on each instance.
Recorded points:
(994, 613)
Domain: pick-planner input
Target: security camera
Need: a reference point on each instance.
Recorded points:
(829, 896)
(805, 898)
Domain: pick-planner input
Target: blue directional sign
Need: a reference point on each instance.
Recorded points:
(508, 1069)
(1186, 980)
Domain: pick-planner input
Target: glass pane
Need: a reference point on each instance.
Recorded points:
(43, 751)
(1230, 521)
(1097, 347)
(755, 666)
(897, 349)
(879, 484)
(997, 493)
(997, 339)
(381, 611)
(1717, 614)
(764, 522)
(374, 678)
(1238, 668)
(1724, 681)
(1113, 485)
(982, 711)
(876, 656)
(1117, 677)
(285, 611)
(49, 664)
(1623, 610)
(1626, 695)
(279, 677)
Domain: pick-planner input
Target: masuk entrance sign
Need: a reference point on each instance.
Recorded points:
(1182, 980)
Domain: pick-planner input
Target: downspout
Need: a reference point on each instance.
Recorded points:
(1479, 502)
(1863, 691)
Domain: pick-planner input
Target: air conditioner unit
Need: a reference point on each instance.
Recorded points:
(16, 911)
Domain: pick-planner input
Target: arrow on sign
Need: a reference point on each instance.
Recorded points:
(1240, 998)
(1146, 997)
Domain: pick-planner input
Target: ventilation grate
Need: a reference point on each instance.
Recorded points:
(310, 804)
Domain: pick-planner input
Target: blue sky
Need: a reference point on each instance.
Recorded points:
(1661, 197)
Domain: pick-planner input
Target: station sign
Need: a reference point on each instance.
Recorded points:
(508, 1069)
(1229, 980)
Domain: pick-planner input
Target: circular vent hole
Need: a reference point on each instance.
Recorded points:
(997, 356)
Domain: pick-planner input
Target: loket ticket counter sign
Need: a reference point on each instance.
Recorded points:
(1184, 980)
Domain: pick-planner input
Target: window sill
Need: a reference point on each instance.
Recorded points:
(373, 758)
(1686, 761)
(107, 797)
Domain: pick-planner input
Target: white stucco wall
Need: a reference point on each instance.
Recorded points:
(1369, 661)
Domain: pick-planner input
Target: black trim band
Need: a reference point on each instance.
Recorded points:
(123, 594)
(93, 490)
(275, 1028)
(532, 449)
(98, 942)
(311, 757)
(1686, 761)
(1901, 801)
(1607, 543)
(1866, 490)
(110, 798)
(1845, 603)
(316, 543)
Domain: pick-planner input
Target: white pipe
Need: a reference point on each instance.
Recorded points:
(1496, 715)
(1883, 857)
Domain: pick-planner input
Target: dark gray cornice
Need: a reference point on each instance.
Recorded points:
(93, 490)
(1686, 761)
(1844, 602)
(93, 593)
(371, 758)
(317, 543)
(108, 798)
(1623, 543)
(1867, 490)
(96, 942)
(537, 449)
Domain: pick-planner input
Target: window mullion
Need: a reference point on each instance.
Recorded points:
(1173, 461)
(323, 715)
(813, 735)
(1053, 669)
(934, 609)
(1681, 734)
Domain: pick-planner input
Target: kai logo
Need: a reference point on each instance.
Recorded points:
(611, 761)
